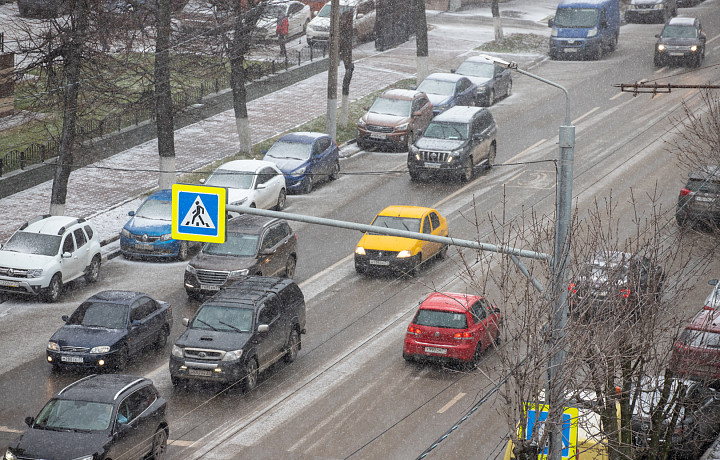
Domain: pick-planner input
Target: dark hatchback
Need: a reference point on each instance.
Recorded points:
(96, 418)
(699, 199)
(254, 245)
(681, 40)
(108, 329)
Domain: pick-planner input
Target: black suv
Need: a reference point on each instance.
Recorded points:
(699, 200)
(240, 331)
(254, 245)
(454, 143)
(97, 417)
(682, 39)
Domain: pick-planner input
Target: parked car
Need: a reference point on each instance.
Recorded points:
(48, 252)
(298, 15)
(696, 353)
(699, 199)
(682, 39)
(252, 183)
(305, 158)
(240, 331)
(696, 407)
(454, 327)
(254, 245)
(42, 8)
(405, 255)
(363, 11)
(108, 329)
(202, 17)
(650, 10)
(454, 144)
(97, 417)
(395, 119)
(493, 81)
(687, 3)
(446, 90)
(584, 29)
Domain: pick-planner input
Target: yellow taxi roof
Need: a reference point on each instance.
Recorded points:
(405, 211)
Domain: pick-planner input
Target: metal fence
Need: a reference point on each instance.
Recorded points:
(133, 116)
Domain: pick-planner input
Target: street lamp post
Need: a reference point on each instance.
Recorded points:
(554, 345)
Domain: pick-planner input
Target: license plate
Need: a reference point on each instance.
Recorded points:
(145, 247)
(432, 165)
(209, 287)
(8, 283)
(378, 135)
(199, 372)
(380, 262)
(677, 54)
(71, 359)
(570, 50)
(704, 198)
(436, 350)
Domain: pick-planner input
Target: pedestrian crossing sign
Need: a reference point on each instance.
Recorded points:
(198, 213)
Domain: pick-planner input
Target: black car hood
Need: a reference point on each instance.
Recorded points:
(81, 336)
(217, 262)
(219, 340)
(432, 143)
(59, 445)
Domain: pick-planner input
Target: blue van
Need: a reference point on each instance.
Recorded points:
(584, 28)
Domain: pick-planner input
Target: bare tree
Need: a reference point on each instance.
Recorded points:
(698, 140)
(345, 50)
(421, 41)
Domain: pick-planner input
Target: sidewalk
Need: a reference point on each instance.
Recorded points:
(105, 191)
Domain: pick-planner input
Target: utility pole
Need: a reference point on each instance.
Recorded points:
(331, 118)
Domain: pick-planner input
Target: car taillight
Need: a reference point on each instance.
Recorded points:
(625, 293)
(572, 289)
(463, 335)
(413, 330)
(685, 192)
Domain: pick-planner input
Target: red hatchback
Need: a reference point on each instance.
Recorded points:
(450, 326)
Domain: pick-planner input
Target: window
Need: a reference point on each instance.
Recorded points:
(365, 7)
(478, 311)
(295, 8)
(89, 231)
(321, 145)
(269, 312)
(438, 318)
(417, 104)
(142, 309)
(435, 219)
(80, 237)
(265, 175)
(68, 244)
(426, 225)
(273, 236)
(135, 404)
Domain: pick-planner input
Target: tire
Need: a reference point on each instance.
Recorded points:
(613, 43)
(415, 269)
(159, 445)
(307, 21)
(281, 201)
(175, 381)
(127, 256)
(162, 338)
(183, 251)
(52, 293)
(508, 92)
(657, 61)
(410, 140)
(251, 375)
(290, 265)
(476, 356)
(293, 346)
(442, 253)
(491, 157)
(123, 359)
(252, 205)
(407, 357)
(414, 175)
(335, 171)
(598, 54)
(466, 174)
(93, 270)
(308, 184)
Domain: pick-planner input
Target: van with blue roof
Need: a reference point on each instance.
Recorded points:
(584, 29)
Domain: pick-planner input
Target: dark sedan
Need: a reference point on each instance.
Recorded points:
(492, 81)
(108, 329)
(447, 90)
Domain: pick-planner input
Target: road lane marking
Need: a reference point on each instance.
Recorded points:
(716, 48)
(617, 95)
(712, 39)
(575, 121)
(9, 430)
(660, 69)
(451, 403)
(179, 443)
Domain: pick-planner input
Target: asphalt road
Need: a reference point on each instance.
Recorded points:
(350, 394)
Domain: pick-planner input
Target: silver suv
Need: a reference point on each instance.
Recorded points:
(47, 252)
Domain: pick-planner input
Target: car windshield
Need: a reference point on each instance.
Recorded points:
(387, 106)
(679, 32)
(325, 10)
(409, 224)
(443, 88)
(438, 318)
(272, 11)
(476, 69)
(576, 17)
(458, 131)
(155, 209)
(100, 314)
(33, 243)
(219, 318)
(700, 339)
(236, 244)
(294, 150)
(231, 179)
(69, 415)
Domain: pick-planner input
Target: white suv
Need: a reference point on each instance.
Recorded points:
(47, 252)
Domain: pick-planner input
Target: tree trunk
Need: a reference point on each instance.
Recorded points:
(238, 78)
(331, 118)
(421, 41)
(497, 22)
(163, 97)
(346, 24)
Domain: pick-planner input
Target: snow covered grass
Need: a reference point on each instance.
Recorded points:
(517, 43)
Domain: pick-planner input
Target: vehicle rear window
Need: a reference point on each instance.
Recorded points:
(438, 318)
(700, 339)
(703, 186)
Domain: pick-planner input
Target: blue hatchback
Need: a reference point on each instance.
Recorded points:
(305, 158)
(147, 233)
(447, 90)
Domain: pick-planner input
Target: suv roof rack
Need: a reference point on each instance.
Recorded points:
(79, 220)
(75, 383)
(33, 220)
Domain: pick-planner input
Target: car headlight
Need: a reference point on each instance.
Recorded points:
(360, 251)
(554, 32)
(9, 455)
(299, 171)
(238, 273)
(661, 47)
(126, 233)
(177, 351)
(232, 355)
(361, 123)
(190, 269)
(34, 273)
(402, 127)
(454, 154)
(239, 202)
(404, 254)
(53, 346)
(693, 48)
(659, 6)
(592, 32)
(166, 237)
(101, 349)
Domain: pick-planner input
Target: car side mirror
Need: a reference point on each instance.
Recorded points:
(263, 151)
(67, 255)
(657, 35)
(267, 251)
(124, 428)
(261, 186)
(713, 282)
(65, 318)
(263, 328)
(477, 137)
(202, 181)
(551, 22)
(134, 323)
(419, 132)
(359, 16)
(603, 24)
(452, 70)
(186, 322)
(131, 213)
(29, 421)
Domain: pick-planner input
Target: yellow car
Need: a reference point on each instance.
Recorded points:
(382, 252)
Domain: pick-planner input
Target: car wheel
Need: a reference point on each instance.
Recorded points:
(698, 61)
(477, 355)
(252, 205)
(308, 184)
(174, 380)
(182, 251)
(410, 140)
(681, 219)
(657, 61)
(159, 445)
(251, 375)
(467, 170)
(598, 54)
(335, 171)
(94, 270)
(290, 265)
(123, 359)
(282, 198)
(414, 175)
(162, 338)
(415, 269)
(293, 346)
(491, 157)
(442, 253)
(508, 93)
(52, 292)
